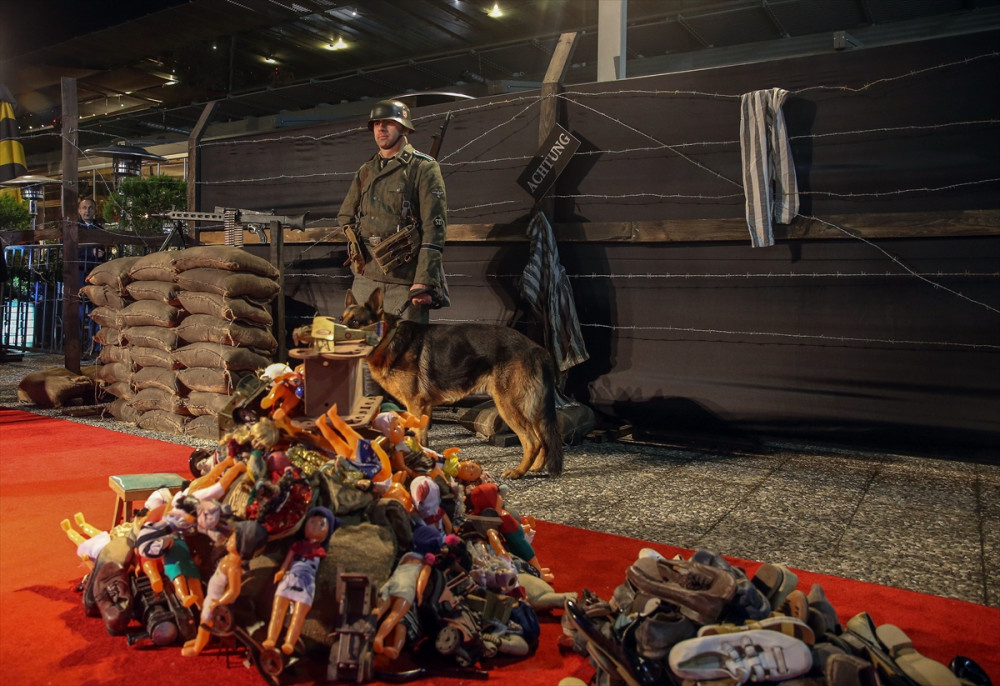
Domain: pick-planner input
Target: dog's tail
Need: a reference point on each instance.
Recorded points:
(552, 436)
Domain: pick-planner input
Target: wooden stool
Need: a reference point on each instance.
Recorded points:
(130, 488)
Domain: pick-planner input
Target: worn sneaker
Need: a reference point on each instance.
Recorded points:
(757, 655)
(700, 592)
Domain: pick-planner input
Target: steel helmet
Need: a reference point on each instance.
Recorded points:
(390, 109)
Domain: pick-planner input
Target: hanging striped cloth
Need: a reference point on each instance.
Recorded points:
(769, 183)
(546, 287)
(12, 163)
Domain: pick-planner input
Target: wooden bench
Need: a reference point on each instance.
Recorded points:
(130, 488)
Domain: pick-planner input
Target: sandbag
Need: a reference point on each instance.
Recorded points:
(143, 356)
(227, 283)
(160, 420)
(53, 387)
(121, 410)
(119, 389)
(113, 273)
(158, 399)
(205, 426)
(157, 377)
(241, 309)
(109, 335)
(111, 373)
(114, 353)
(225, 257)
(151, 313)
(221, 356)
(105, 296)
(105, 316)
(204, 328)
(210, 379)
(160, 291)
(201, 403)
(160, 337)
(156, 266)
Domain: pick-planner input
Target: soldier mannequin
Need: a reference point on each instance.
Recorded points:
(395, 217)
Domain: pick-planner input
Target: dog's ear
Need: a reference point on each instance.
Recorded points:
(375, 301)
(350, 300)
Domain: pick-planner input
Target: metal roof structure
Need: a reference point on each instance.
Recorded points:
(143, 77)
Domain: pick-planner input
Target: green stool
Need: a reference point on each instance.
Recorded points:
(130, 488)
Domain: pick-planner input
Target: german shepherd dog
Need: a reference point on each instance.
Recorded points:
(425, 365)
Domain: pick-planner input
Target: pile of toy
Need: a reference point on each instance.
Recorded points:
(320, 540)
(179, 328)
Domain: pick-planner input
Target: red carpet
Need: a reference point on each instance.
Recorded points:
(52, 468)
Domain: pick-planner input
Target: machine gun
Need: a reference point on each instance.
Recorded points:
(234, 222)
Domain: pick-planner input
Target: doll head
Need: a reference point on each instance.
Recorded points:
(468, 471)
(319, 525)
(427, 541)
(485, 497)
(390, 425)
(426, 495)
(264, 434)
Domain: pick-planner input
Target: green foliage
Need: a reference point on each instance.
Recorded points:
(14, 215)
(139, 197)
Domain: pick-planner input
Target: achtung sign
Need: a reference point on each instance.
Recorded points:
(546, 166)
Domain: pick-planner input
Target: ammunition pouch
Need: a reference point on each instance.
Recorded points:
(397, 249)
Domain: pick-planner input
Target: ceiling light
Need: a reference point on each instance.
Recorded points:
(270, 60)
(339, 45)
(496, 12)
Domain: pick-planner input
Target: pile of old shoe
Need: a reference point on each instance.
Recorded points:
(703, 621)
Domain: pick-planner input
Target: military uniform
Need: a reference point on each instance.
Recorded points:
(386, 197)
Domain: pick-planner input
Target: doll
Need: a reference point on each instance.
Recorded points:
(227, 581)
(404, 588)
(406, 457)
(487, 497)
(426, 496)
(157, 541)
(360, 453)
(89, 543)
(296, 578)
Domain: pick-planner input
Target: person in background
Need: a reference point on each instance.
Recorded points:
(89, 255)
(395, 219)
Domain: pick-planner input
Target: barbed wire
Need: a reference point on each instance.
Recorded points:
(524, 104)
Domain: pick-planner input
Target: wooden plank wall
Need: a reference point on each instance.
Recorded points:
(874, 317)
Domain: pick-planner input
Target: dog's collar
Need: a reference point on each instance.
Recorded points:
(384, 336)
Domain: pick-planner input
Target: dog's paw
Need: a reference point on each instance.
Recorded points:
(512, 474)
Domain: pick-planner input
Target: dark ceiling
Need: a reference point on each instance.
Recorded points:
(146, 69)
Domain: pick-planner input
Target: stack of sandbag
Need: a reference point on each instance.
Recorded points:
(150, 327)
(107, 290)
(226, 334)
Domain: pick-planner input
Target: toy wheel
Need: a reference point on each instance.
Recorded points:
(222, 620)
(448, 640)
(271, 661)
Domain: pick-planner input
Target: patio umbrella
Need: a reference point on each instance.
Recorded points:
(12, 162)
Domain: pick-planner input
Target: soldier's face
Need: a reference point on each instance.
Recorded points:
(388, 135)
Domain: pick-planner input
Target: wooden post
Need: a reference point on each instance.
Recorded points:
(71, 257)
(548, 115)
(193, 162)
(278, 260)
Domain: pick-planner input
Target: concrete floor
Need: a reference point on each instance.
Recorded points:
(914, 522)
